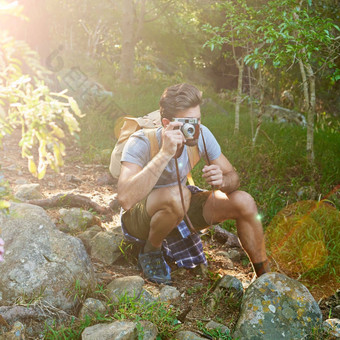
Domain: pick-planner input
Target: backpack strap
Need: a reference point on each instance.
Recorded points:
(194, 157)
(193, 152)
(154, 147)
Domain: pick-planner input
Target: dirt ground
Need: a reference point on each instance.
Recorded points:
(94, 181)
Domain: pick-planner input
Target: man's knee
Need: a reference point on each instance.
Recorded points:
(174, 201)
(169, 200)
(243, 203)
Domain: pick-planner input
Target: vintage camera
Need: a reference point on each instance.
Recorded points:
(190, 127)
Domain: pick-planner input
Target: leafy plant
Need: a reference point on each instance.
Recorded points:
(27, 102)
(5, 194)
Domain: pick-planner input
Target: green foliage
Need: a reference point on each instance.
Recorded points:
(5, 194)
(128, 309)
(288, 32)
(26, 102)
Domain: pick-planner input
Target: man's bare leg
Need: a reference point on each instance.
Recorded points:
(166, 211)
(241, 207)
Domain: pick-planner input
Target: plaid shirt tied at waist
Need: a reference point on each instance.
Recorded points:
(186, 249)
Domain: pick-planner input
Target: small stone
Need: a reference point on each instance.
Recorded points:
(91, 306)
(129, 286)
(228, 288)
(234, 255)
(73, 179)
(76, 219)
(218, 326)
(106, 179)
(87, 235)
(105, 246)
(169, 293)
(16, 333)
(187, 335)
(20, 181)
(149, 330)
(332, 327)
(27, 192)
(126, 330)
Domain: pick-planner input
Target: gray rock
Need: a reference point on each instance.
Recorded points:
(282, 115)
(332, 327)
(148, 329)
(105, 246)
(75, 218)
(91, 306)
(169, 294)
(118, 330)
(121, 330)
(187, 335)
(87, 235)
(229, 263)
(27, 192)
(73, 179)
(40, 260)
(217, 326)
(129, 286)
(106, 179)
(20, 181)
(234, 255)
(224, 236)
(277, 307)
(229, 289)
(307, 193)
(149, 295)
(16, 333)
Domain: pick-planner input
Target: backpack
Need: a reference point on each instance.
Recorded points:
(149, 123)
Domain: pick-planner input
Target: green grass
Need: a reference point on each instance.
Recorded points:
(126, 309)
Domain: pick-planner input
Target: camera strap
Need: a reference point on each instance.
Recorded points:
(193, 230)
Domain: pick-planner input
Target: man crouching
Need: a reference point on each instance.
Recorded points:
(148, 189)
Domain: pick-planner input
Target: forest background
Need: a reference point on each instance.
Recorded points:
(115, 57)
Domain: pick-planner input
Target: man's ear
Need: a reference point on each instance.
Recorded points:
(165, 122)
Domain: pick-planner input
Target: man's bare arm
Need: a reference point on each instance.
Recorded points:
(135, 182)
(221, 174)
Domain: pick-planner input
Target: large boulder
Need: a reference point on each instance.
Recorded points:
(277, 307)
(41, 261)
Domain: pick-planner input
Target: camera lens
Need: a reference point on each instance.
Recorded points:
(188, 130)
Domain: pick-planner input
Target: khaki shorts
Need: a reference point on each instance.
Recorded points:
(137, 221)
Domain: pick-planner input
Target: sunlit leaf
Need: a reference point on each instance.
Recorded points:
(4, 204)
(32, 167)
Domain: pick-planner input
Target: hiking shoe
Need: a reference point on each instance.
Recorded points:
(154, 267)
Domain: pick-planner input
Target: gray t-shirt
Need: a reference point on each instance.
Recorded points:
(137, 151)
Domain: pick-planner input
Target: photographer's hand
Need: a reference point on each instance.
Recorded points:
(213, 175)
(172, 138)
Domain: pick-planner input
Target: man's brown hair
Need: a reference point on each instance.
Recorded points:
(178, 98)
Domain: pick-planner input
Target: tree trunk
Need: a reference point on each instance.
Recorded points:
(251, 111)
(127, 56)
(240, 66)
(261, 109)
(311, 113)
(305, 85)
